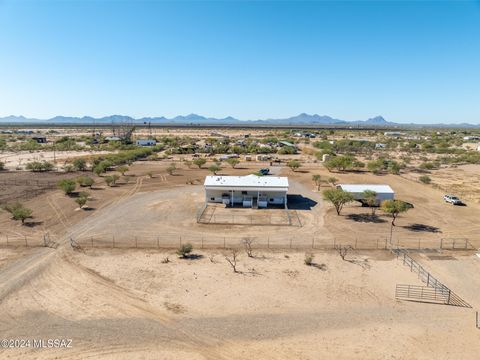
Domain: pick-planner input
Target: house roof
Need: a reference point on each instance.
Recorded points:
(250, 181)
(358, 188)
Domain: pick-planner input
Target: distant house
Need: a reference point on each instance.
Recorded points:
(286, 143)
(146, 142)
(470, 138)
(384, 192)
(396, 134)
(112, 138)
(40, 139)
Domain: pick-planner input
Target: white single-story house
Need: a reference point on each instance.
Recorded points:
(249, 191)
(146, 142)
(384, 192)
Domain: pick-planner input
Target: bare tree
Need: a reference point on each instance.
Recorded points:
(232, 260)
(343, 250)
(247, 243)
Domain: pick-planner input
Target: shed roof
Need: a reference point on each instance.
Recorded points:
(358, 188)
(253, 181)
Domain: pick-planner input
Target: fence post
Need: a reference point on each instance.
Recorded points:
(158, 243)
(453, 248)
(268, 242)
(441, 243)
(356, 243)
(113, 240)
(91, 238)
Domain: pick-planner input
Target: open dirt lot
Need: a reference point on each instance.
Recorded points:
(128, 304)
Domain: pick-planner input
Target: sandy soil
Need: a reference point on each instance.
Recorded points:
(18, 160)
(119, 305)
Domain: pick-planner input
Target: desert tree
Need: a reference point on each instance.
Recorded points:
(68, 186)
(82, 199)
(232, 259)
(214, 169)
(199, 162)
(332, 180)
(122, 169)
(370, 198)
(18, 211)
(171, 169)
(317, 180)
(394, 208)
(111, 180)
(85, 181)
(188, 163)
(80, 164)
(247, 244)
(343, 250)
(294, 165)
(232, 162)
(338, 198)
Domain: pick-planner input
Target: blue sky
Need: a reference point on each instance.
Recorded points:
(407, 61)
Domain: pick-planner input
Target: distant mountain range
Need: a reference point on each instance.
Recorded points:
(194, 119)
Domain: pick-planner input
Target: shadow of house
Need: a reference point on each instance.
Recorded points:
(299, 202)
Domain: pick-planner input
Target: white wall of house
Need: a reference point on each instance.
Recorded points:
(238, 196)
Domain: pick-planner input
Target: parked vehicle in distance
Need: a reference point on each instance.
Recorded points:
(264, 171)
(452, 199)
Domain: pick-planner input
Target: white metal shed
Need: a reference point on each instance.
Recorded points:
(384, 192)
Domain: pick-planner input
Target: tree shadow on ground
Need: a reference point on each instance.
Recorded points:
(366, 218)
(32, 223)
(422, 228)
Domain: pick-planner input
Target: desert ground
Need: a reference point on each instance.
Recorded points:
(116, 301)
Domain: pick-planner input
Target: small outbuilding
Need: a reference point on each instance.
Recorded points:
(248, 191)
(146, 142)
(384, 192)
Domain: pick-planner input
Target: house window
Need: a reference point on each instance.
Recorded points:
(271, 199)
(212, 199)
(244, 193)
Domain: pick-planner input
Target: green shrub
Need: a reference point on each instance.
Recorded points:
(425, 179)
(85, 181)
(67, 186)
(184, 250)
(39, 166)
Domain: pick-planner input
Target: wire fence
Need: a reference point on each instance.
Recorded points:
(172, 241)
